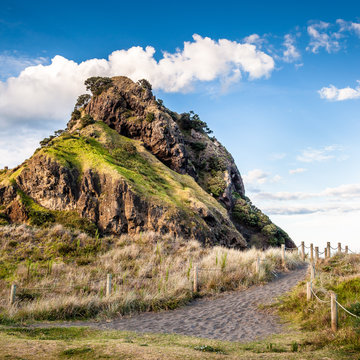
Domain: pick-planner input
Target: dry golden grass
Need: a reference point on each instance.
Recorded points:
(150, 272)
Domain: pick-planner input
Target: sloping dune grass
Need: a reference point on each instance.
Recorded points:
(61, 274)
(340, 274)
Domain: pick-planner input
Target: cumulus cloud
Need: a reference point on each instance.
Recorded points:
(290, 53)
(310, 155)
(48, 91)
(332, 93)
(297, 171)
(322, 37)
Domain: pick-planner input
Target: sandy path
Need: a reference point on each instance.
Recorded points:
(232, 316)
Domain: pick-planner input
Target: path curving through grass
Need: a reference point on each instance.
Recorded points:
(233, 316)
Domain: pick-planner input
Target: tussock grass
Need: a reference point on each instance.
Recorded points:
(61, 274)
(340, 274)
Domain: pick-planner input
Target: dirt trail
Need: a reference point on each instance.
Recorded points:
(232, 316)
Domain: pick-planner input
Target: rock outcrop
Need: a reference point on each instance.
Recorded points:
(127, 164)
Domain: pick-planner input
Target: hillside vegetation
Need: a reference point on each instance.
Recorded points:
(340, 274)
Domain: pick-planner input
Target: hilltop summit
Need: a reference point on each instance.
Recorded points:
(127, 164)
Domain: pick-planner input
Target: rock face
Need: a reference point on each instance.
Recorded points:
(134, 166)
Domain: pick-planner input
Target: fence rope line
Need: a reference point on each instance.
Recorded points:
(323, 301)
(358, 317)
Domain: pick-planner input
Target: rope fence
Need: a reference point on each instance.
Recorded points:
(334, 303)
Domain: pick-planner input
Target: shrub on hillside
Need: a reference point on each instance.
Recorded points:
(145, 84)
(87, 120)
(82, 101)
(150, 117)
(191, 120)
(98, 84)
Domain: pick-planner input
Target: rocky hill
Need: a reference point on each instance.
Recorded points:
(127, 164)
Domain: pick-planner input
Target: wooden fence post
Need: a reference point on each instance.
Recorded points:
(302, 251)
(108, 284)
(283, 255)
(328, 250)
(325, 253)
(195, 278)
(308, 291)
(316, 254)
(257, 265)
(334, 312)
(12, 294)
(311, 253)
(339, 248)
(312, 271)
(346, 249)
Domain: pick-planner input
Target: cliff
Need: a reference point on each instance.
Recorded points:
(127, 164)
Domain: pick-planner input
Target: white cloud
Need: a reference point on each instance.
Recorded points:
(285, 196)
(310, 209)
(277, 156)
(310, 155)
(356, 28)
(297, 171)
(17, 146)
(254, 39)
(290, 53)
(345, 191)
(322, 37)
(255, 177)
(348, 26)
(49, 91)
(334, 94)
(276, 178)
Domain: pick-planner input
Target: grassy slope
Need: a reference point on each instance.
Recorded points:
(340, 274)
(108, 153)
(102, 149)
(150, 272)
(309, 336)
(82, 343)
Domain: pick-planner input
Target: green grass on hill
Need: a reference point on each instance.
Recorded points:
(103, 150)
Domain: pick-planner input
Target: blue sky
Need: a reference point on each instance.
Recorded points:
(276, 82)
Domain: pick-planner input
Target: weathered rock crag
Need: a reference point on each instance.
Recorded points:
(137, 166)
